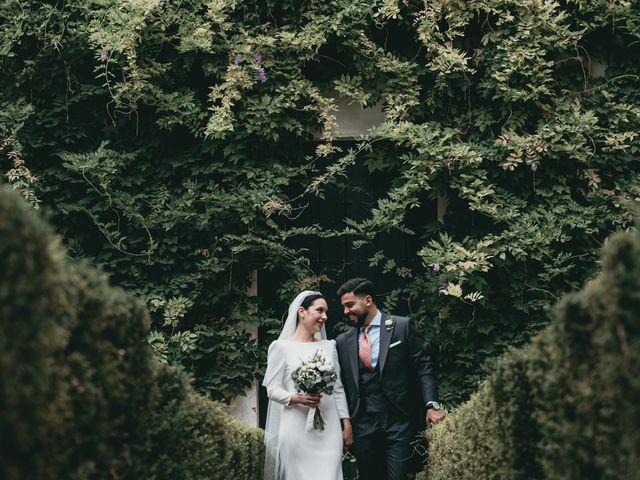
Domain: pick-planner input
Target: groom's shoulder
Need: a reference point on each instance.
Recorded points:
(397, 318)
(342, 337)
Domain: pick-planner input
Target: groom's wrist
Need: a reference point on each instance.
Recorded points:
(433, 405)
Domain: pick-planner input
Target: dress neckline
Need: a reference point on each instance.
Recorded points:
(297, 341)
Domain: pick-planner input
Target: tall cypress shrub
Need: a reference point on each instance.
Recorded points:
(586, 388)
(75, 374)
(80, 396)
(566, 406)
(34, 313)
(109, 370)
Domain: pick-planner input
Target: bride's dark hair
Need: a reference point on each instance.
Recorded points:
(308, 301)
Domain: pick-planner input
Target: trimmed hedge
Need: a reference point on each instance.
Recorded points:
(587, 404)
(565, 406)
(192, 437)
(493, 434)
(80, 395)
(34, 309)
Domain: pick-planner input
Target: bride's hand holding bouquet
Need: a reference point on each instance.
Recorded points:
(313, 378)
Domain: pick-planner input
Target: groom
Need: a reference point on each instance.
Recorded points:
(389, 383)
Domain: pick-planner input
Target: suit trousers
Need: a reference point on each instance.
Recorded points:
(383, 446)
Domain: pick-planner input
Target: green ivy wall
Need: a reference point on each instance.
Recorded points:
(170, 143)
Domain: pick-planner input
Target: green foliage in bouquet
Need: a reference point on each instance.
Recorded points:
(564, 407)
(173, 144)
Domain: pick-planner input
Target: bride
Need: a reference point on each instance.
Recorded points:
(292, 453)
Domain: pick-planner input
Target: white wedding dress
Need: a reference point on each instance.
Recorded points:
(295, 453)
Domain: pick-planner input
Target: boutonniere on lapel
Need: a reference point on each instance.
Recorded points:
(388, 323)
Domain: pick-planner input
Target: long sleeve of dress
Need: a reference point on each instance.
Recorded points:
(274, 376)
(338, 388)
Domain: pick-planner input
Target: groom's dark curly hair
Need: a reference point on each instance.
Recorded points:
(358, 286)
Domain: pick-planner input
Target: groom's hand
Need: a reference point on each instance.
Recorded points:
(434, 416)
(347, 434)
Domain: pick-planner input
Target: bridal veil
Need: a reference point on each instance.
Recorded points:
(274, 411)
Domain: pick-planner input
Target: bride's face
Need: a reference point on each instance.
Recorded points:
(313, 318)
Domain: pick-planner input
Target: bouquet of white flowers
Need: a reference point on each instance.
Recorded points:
(316, 375)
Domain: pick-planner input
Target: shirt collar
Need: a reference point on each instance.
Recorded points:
(376, 320)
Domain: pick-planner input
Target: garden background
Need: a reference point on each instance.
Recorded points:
(189, 149)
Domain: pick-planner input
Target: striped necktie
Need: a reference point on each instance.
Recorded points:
(364, 351)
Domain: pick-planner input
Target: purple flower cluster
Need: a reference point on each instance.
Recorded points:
(436, 268)
(104, 56)
(262, 76)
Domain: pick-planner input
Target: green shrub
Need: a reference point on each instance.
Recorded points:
(238, 446)
(193, 438)
(80, 396)
(491, 436)
(109, 371)
(566, 406)
(584, 373)
(517, 427)
(458, 446)
(164, 460)
(75, 365)
(34, 311)
(247, 445)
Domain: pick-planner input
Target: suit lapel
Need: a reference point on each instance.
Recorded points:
(352, 347)
(385, 340)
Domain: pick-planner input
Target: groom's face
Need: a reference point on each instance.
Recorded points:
(356, 307)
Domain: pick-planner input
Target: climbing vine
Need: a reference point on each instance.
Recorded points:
(173, 143)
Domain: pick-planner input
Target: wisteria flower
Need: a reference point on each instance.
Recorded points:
(104, 55)
(436, 268)
(261, 75)
(257, 57)
(238, 58)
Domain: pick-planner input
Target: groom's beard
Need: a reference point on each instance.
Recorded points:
(360, 320)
